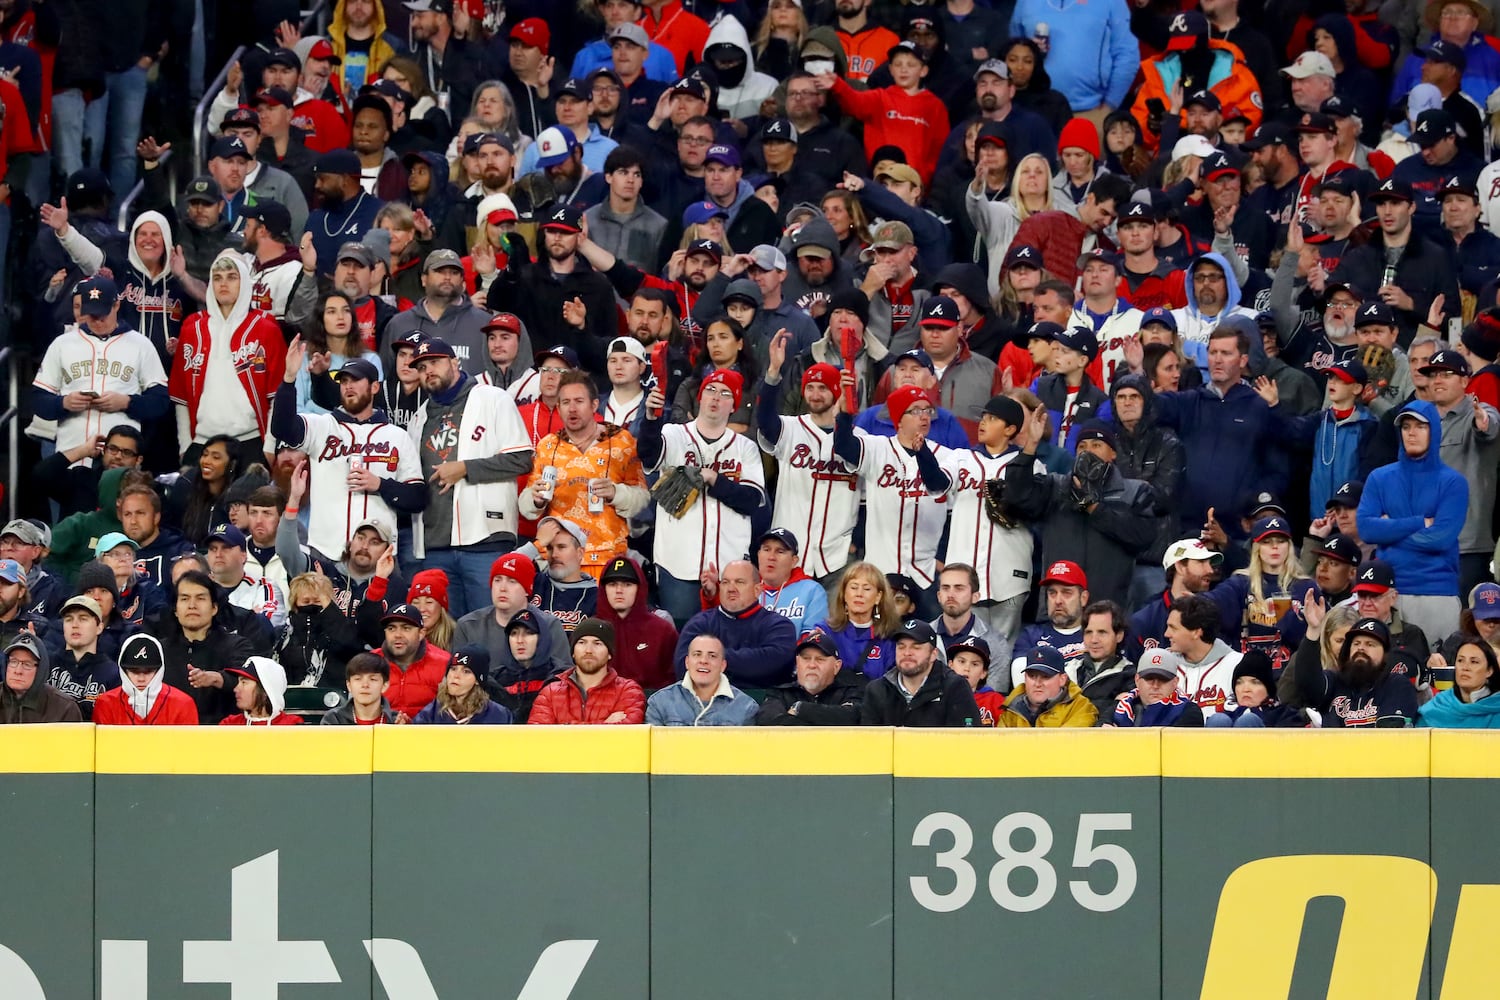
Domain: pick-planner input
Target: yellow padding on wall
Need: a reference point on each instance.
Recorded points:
(51, 749)
(517, 749)
(783, 751)
(233, 750)
(1300, 753)
(1043, 753)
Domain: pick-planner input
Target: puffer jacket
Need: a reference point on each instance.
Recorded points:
(415, 687)
(564, 702)
(1152, 454)
(945, 700)
(1070, 709)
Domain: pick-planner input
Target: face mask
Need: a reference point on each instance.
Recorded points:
(731, 74)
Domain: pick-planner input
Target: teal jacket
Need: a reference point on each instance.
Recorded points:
(1448, 711)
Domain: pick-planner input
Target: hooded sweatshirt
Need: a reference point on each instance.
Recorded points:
(234, 361)
(1194, 326)
(1397, 500)
(359, 66)
(74, 537)
(1210, 681)
(739, 98)
(644, 639)
(917, 123)
(41, 702)
(273, 683)
(814, 300)
(158, 705)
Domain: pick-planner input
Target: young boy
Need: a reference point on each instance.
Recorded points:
(1337, 435)
(260, 695)
(143, 699)
(1067, 391)
(904, 593)
(1039, 344)
(82, 672)
(367, 677)
(969, 658)
(905, 114)
(462, 700)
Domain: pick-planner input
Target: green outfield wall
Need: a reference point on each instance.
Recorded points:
(605, 863)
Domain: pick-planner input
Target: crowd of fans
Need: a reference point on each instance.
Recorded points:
(827, 362)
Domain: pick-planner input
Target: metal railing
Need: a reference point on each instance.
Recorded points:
(200, 113)
(11, 421)
(124, 218)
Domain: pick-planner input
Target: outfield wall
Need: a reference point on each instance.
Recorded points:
(623, 863)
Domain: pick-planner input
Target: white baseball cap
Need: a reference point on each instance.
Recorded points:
(628, 345)
(1310, 64)
(1189, 548)
(1193, 145)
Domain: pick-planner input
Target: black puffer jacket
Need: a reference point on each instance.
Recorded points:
(1152, 454)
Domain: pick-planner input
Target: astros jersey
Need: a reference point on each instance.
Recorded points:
(80, 362)
(710, 532)
(903, 521)
(387, 450)
(817, 494)
(1001, 556)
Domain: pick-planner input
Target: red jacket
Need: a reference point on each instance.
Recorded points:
(172, 708)
(281, 719)
(325, 127)
(259, 350)
(917, 123)
(644, 640)
(415, 687)
(1060, 237)
(1166, 286)
(564, 703)
(680, 32)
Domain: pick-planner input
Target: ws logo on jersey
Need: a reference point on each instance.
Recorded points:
(373, 452)
(88, 370)
(831, 470)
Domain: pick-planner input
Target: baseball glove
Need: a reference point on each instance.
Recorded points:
(995, 507)
(1380, 364)
(1089, 475)
(678, 490)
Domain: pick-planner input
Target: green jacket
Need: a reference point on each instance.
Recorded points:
(74, 537)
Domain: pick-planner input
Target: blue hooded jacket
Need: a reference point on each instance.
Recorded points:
(1398, 499)
(1446, 711)
(1337, 448)
(1191, 321)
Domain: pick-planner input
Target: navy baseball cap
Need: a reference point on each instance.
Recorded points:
(433, 347)
(819, 640)
(272, 214)
(781, 535)
(1447, 360)
(1373, 627)
(1433, 127)
(1044, 331)
(1023, 255)
(970, 644)
(1446, 52)
(357, 368)
(479, 140)
(561, 352)
(1459, 184)
(1159, 314)
(1375, 577)
(1096, 430)
(403, 613)
(919, 356)
(1391, 189)
(1270, 527)
(778, 130)
(339, 161)
(99, 295)
(228, 534)
(1080, 339)
(1268, 134)
(1375, 313)
(1137, 211)
(1203, 99)
(1341, 548)
(916, 629)
(1317, 123)
(228, 146)
(1219, 165)
(525, 618)
(938, 310)
(564, 219)
(1046, 660)
(902, 584)
(1346, 495)
(1263, 500)
(1102, 256)
(1349, 370)
(706, 246)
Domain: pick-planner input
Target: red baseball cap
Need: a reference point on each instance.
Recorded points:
(1067, 573)
(732, 380)
(823, 374)
(532, 32)
(322, 50)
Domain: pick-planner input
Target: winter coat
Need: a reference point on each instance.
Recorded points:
(1089, 402)
(315, 643)
(415, 686)
(1104, 683)
(678, 705)
(1422, 271)
(945, 700)
(219, 650)
(1449, 711)
(759, 645)
(564, 702)
(836, 705)
(492, 714)
(516, 682)
(1062, 238)
(1176, 711)
(1399, 497)
(1340, 450)
(536, 294)
(1070, 709)
(381, 45)
(1105, 542)
(1152, 454)
(1229, 79)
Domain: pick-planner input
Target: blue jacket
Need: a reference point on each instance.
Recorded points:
(679, 706)
(802, 601)
(759, 645)
(1480, 78)
(596, 149)
(852, 642)
(1238, 437)
(493, 714)
(1100, 68)
(660, 63)
(1446, 711)
(1399, 497)
(1338, 446)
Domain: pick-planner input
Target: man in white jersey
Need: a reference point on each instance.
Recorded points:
(98, 375)
(715, 530)
(817, 494)
(999, 553)
(906, 492)
(226, 559)
(361, 465)
(625, 365)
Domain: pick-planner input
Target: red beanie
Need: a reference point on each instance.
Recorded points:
(517, 567)
(823, 374)
(904, 399)
(1082, 133)
(431, 583)
(725, 377)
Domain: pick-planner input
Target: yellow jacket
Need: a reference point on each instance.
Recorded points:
(1072, 709)
(380, 49)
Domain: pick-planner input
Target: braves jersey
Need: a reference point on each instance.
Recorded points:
(1001, 556)
(622, 414)
(710, 531)
(80, 362)
(817, 494)
(331, 444)
(263, 598)
(1211, 682)
(904, 522)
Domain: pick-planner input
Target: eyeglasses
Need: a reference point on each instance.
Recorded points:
(606, 88)
(553, 370)
(693, 140)
(721, 393)
(21, 664)
(1454, 13)
(114, 449)
(801, 95)
(921, 411)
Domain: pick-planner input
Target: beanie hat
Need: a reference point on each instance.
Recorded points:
(431, 583)
(253, 478)
(904, 399)
(824, 375)
(476, 658)
(732, 380)
(599, 629)
(1080, 133)
(517, 567)
(1256, 664)
(95, 574)
(1482, 337)
(853, 300)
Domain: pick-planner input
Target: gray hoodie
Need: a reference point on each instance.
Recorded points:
(1473, 454)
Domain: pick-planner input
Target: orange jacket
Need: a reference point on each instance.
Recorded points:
(614, 457)
(866, 50)
(564, 703)
(1233, 84)
(679, 31)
